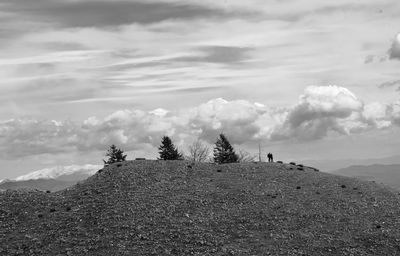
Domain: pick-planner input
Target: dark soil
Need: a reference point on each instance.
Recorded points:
(169, 208)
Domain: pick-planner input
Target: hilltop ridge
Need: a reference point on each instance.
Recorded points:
(177, 208)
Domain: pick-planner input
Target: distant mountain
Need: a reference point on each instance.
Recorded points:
(66, 173)
(387, 174)
(333, 165)
(53, 179)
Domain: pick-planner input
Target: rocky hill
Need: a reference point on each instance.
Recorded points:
(176, 208)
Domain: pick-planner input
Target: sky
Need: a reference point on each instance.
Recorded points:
(306, 79)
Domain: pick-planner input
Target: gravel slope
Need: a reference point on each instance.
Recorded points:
(176, 208)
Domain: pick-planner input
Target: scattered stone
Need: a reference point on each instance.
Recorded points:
(355, 188)
(279, 162)
(300, 168)
(317, 192)
(343, 186)
(189, 166)
(292, 163)
(52, 210)
(40, 215)
(99, 171)
(378, 226)
(48, 191)
(300, 165)
(219, 170)
(68, 208)
(119, 165)
(298, 187)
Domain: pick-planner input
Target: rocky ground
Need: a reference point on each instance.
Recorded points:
(177, 208)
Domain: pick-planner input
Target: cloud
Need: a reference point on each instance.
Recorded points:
(390, 84)
(320, 112)
(394, 51)
(108, 13)
(219, 54)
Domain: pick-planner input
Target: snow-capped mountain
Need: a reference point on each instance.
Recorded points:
(71, 172)
(52, 179)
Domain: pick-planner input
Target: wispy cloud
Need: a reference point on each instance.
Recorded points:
(111, 13)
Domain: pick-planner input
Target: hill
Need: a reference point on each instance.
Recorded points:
(175, 208)
(386, 174)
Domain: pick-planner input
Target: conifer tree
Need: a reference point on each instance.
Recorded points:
(224, 152)
(168, 151)
(114, 155)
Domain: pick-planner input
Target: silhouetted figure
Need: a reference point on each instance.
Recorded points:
(270, 157)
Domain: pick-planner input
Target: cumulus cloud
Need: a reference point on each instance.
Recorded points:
(317, 113)
(394, 51)
(320, 111)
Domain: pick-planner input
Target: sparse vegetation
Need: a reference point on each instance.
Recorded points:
(198, 152)
(224, 152)
(168, 151)
(245, 157)
(114, 155)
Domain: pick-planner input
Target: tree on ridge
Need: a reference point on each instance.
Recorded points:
(198, 152)
(224, 152)
(168, 151)
(114, 155)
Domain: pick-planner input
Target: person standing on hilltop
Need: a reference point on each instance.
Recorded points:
(270, 157)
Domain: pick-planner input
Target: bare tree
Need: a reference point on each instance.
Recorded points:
(245, 157)
(198, 152)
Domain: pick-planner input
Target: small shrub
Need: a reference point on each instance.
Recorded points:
(52, 210)
(40, 215)
(343, 186)
(219, 170)
(48, 191)
(355, 188)
(292, 163)
(279, 162)
(68, 208)
(378, 226)
(317, 192)
(189, 166)
(298, 187)
(119, 165)
(300, 168)
(300, 165)
(140, 158)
